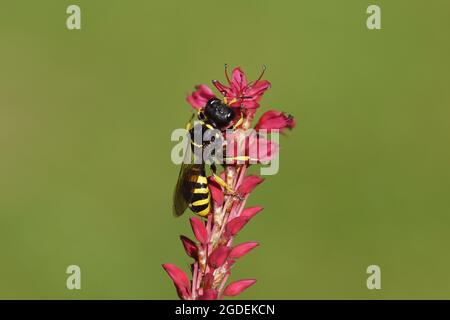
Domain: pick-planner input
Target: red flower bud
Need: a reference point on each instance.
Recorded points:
(216, 191)
(249, 183)
(242, 249)
(235, 225)
(190, 247)
(218, 257)
(251, 212)
(180, 280)
(235, 288)
(199, 229)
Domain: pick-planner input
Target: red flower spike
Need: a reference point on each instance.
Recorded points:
(249, 183)
(273, 119)
(251, 212)
(180, 280)
(200, 97)
(216, 191)
(235, 288)
(242, 249)
(190, 247)
(213, 256)
(199, 229)
(218, 257)
(209, 294)
(235, 225)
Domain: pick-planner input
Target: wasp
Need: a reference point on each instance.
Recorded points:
(192, 186)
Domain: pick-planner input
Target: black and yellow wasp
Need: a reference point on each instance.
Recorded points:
(192, 187)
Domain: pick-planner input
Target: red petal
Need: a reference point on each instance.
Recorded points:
(250, 104)
(273, 119)
(205, 91)
(218, 257)
(238, 80)
(189, 246)
(216, 191)
(209, 294)
(250, 212)
(242, 249)
(224, 90)
(200, 97)
(177, 275)
(235, 288)
(235, 225)
(259, 88)
(180, 280)
(199, 229)
(255, 92)
(249, 183)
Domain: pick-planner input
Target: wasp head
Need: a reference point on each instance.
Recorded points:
(218, 113)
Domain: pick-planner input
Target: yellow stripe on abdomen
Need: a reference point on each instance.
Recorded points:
(201, 190)
(202, 180)
(205, 211)
(200, 202)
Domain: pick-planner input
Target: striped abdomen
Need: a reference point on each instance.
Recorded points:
(200, 200)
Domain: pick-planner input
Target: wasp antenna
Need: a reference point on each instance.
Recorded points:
(223, 92)
(226, 73)
(261, 75)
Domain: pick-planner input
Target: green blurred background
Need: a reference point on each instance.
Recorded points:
(85, 124)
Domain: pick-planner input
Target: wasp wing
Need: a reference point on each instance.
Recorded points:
(189, 172)
(185, 186)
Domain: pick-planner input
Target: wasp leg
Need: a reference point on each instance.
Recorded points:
(229, 190)
(189, 125)
(241, 158)
(239, 122)
(213, 168)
